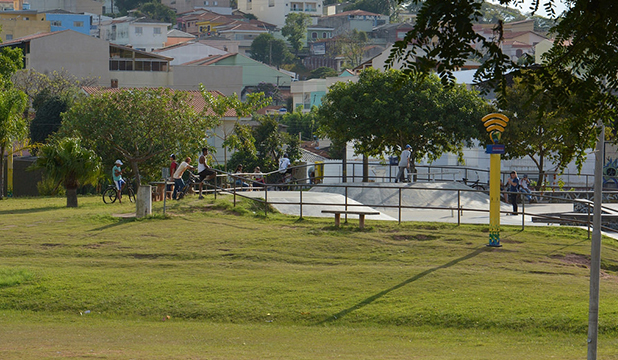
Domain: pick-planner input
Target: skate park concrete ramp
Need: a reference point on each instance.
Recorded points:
(433, 194)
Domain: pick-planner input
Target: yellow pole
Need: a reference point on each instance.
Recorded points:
(9, 172)
(494, 200)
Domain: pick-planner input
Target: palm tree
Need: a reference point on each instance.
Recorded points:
(66, 162)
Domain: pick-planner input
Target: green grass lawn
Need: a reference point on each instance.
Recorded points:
(237, 285)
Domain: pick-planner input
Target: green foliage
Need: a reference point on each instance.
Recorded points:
(39, 87)
(351, 45)
(47, 120)
(68, 162)
(261, 145)
(386, 7)
(49, 187)
(295, 30)
(11, 60)
(323, 72)
(218, 108)
(270, 91)
(299, 122)
(581, 64)
(14, 277)
(267, 49)
(141, 126)
(157, 11)
(13, 127)
(384, 111)
(542, 130)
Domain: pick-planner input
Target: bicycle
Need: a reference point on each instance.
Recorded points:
(193, 180)
(110, 193)
(475, 185)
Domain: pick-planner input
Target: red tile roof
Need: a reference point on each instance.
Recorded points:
(210, 59)
(197, 100)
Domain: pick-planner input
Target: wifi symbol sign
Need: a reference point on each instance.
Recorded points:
(495, 124)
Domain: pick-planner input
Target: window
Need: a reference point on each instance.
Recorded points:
(314, 35)
(138, 30)
(271, 3)
(78, 23)
(9, 36)
(323, 35)
(26, 18)
(215, 3)
(206, 3)
(249, 5)
(55, 23)
(157, 31)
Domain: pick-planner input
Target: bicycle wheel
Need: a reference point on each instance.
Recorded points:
(109, 195)
(131, 194)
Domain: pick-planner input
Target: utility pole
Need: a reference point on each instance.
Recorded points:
(595, 247)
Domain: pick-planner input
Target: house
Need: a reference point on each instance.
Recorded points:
(275, 11)
(17, 24)
(359, 20)
(141, 33)
(182, 6)
(188, 51)
(389, 33)
(87, 57)
(244, 33)
(307, 94)
(254, 72)
(74, 6)
(65, 20)
(315, 33)
(215, 136)
(176, 36)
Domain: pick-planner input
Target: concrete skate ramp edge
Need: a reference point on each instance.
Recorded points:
(438, 194)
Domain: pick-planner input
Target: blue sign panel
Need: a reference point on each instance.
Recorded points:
(494, 149)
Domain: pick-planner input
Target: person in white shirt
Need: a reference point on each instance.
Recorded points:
(179, 184)
(284, 163)
(203, 170)
(404, 163)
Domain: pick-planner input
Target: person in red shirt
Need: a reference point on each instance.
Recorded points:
(173, 167)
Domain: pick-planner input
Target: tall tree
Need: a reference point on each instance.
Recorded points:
(543, 131)
(47, 120)
(582, 63)
(13, 126)
(295, 30)
(219, 107)
(138, 125)
(384, 111)
(157, 11)
(271, 51)
(66, 161)
(351, 45)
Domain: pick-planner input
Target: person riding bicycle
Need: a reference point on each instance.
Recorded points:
(118, 180)
(179, 184)
(203, 170)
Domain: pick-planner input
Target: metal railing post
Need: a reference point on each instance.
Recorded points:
(523, 212)
(301, 204)
(588, 206)
(458, 207)
(265, 200)
(346, 204)
(400, 206)
(234, 191)
(216, 176)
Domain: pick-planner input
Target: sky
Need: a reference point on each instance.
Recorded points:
(559, 7)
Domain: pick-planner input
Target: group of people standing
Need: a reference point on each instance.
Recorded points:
(514, 185)
(204, 171)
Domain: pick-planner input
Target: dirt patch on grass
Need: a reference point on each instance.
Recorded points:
(99, 245)
(574, 259)
(452, 240)
(417, 237)
(51, 245)
(428, 227)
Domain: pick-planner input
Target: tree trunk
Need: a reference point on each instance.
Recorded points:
(413, 167)
(344, 163)
(72, 197)
(541, 182)
(365, 168)
(135, 173)
(2, 148)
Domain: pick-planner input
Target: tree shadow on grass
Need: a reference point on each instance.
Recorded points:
(375, 297)
(31, 210)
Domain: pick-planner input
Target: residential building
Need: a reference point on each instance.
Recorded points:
(221, 43)
(188, 51)
(141, 33)
(65, 20)
(518, 38)
(307, 94)
(17, 24)
(6, 5)
(176, 36)
(252, 72)
(74, 6)
(244, 33)
(353, 20)
(389, 33)
(182, 6)
(206, 23)
(88, 57)
(315, 33)
(275, 11)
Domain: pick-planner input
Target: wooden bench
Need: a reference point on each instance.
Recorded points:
(361, 215)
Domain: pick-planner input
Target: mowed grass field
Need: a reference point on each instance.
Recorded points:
(211, 281)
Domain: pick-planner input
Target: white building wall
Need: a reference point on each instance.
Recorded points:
(190, 52)
(144, 36)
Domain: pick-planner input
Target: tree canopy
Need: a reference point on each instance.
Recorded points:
(295, 30)
(271, 51)
(157, 11)
(384, 111)
(139, 125)
(583, 61)
(66, 161)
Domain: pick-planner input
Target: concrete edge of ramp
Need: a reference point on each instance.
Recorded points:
(287, 203)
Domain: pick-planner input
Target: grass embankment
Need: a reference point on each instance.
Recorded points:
(236, 284)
